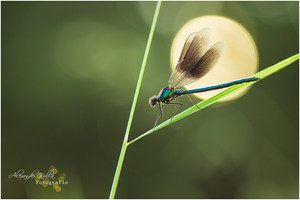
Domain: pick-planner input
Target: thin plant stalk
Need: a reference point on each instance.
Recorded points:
(207, 102)
(135, 98)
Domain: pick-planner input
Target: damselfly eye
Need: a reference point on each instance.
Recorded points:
(153, 101)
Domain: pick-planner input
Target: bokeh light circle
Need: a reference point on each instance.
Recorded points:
(239, 59)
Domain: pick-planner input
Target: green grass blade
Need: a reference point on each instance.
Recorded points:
(207, 102)
(135, 98)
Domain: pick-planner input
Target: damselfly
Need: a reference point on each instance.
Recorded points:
(195, 60)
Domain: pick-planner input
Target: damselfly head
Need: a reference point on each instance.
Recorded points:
(153, 101)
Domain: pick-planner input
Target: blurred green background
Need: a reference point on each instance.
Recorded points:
(69, 71)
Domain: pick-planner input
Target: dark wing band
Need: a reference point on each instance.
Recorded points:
(194, 48)
(195, 61)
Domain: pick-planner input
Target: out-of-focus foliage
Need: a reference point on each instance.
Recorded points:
(69, 71)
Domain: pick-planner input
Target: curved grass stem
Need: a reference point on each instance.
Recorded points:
(207, 102)
(135, 98)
